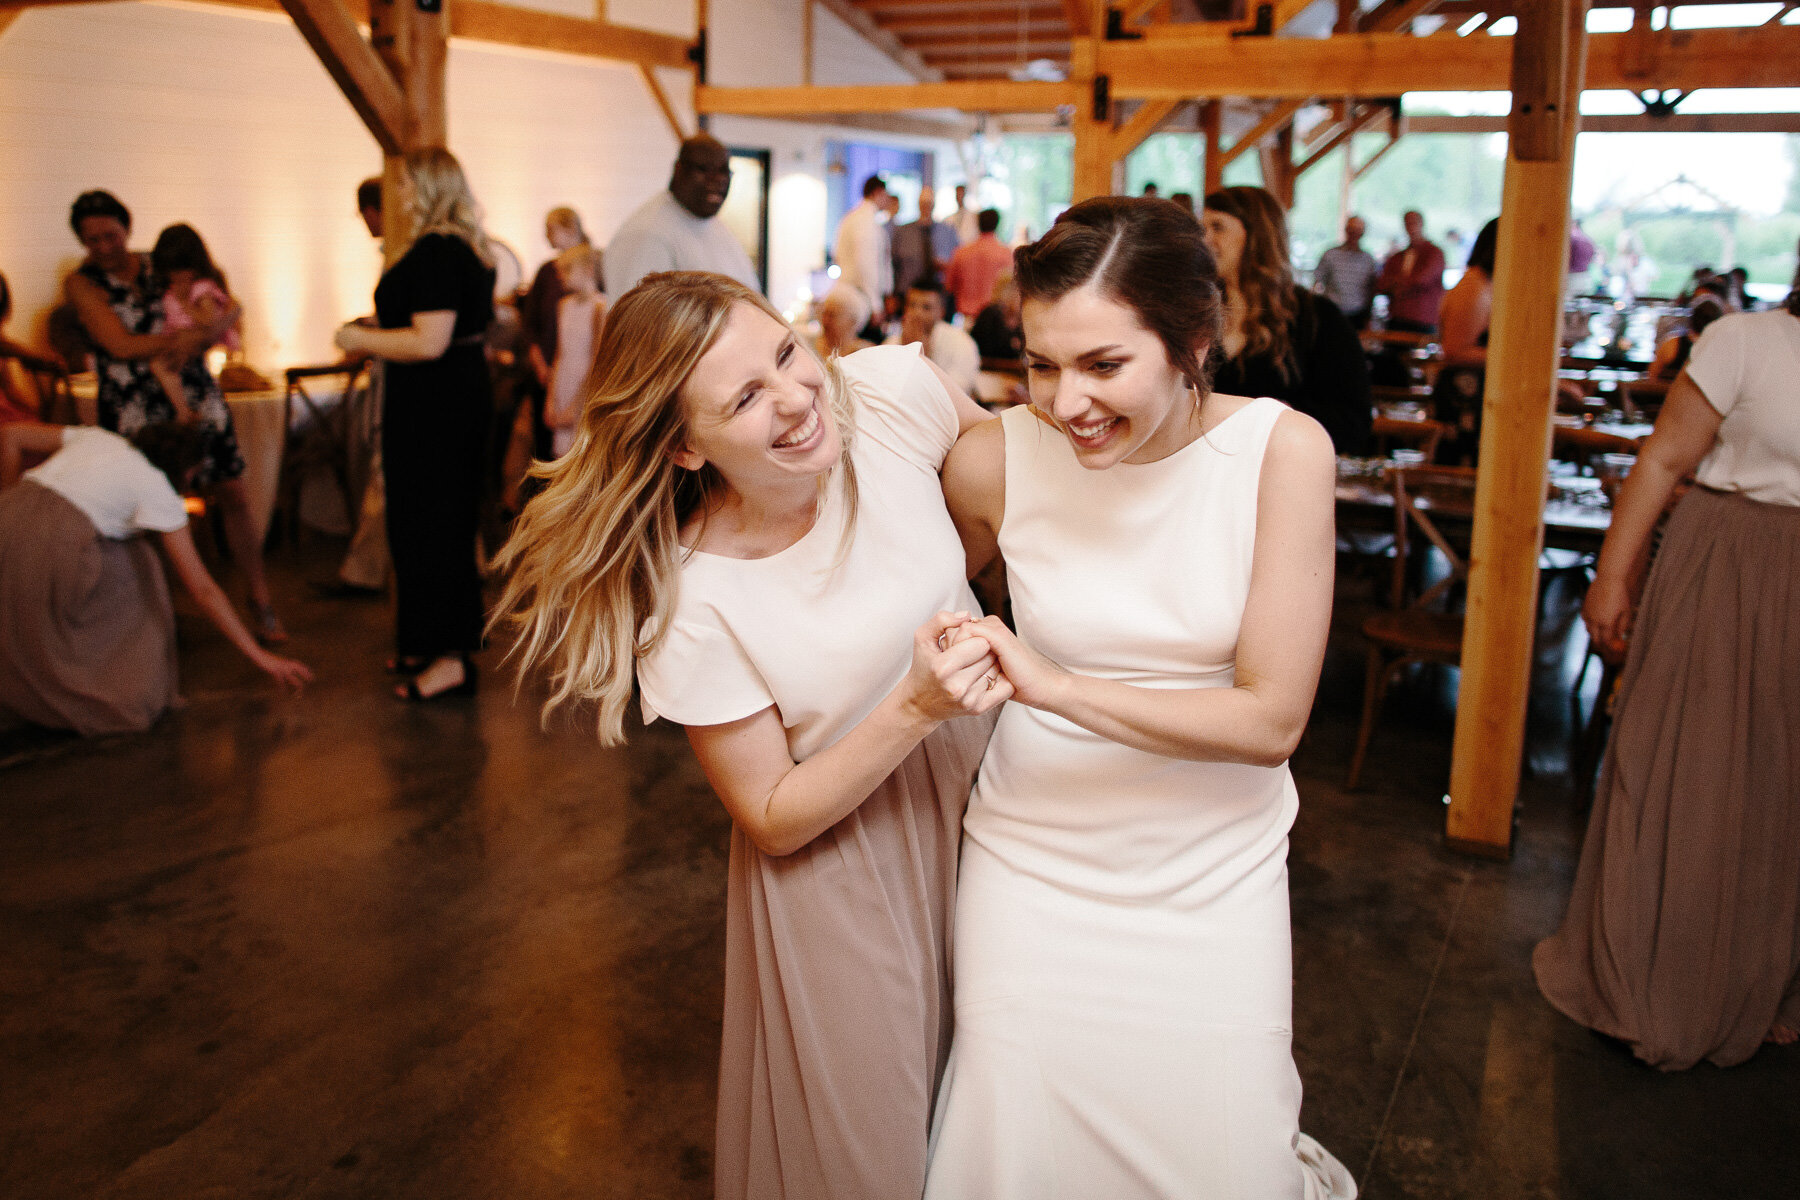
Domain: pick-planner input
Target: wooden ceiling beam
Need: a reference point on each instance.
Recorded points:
(1389, 64)
(872, 32)
(1782, 122)
(970, 96)
(357, 69)
(963, 17)
(1017, 51)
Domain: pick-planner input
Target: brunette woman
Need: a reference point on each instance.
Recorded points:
(1280, 339)
(1123, 974)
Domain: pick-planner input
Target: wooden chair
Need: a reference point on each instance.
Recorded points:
(1411, 630)
(1422, 435)
(322, 440)
(56, 402)
(1578, 443)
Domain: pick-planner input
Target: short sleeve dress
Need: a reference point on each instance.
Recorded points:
(129, 395)
(1682, 936)
(435, 418)
(87, 632)
(837, 1001)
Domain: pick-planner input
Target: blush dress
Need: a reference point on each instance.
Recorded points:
(837, 956)
(1123, 973)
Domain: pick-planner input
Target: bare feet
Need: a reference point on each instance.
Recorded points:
(1782, 1034)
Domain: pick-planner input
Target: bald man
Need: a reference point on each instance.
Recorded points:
(678, 229)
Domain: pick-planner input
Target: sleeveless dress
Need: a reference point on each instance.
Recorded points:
(837, 956)
(129, 395)
(1123, 974)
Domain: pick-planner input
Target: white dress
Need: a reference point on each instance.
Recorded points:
(1123, 974)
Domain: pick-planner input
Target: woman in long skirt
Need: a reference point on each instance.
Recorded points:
(1682, 936)
(761, 540)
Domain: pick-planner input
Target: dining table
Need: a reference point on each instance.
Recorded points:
(260, 418)
(1577, 511)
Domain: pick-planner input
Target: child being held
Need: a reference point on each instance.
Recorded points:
(580, 315)
(196, 296)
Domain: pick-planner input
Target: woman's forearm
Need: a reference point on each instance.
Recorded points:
(1224, 724)
(1640, 502)
(827, 787)
(405, 345)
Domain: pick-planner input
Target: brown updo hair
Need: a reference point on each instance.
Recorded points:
(1146, 254)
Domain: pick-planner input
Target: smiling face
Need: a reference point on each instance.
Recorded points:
(702, 177)
(1225, 238)
(1106, 380)
(756, 409)
(105, 238)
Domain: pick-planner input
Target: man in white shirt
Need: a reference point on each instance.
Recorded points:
(679, 229)
(945, 344)
(1346, 275)
(964, 219)
(863, 256)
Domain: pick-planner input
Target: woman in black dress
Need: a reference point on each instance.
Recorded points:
(1281, 339)
(434, 306)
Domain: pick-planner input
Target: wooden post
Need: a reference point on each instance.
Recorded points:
(1278, 166)
(1523, 351)
(415, 47)
(1212, 164)
(1092, 125)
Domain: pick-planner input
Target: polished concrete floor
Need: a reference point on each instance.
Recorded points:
(334, 946)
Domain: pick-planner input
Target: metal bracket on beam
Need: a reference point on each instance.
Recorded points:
(1265, 23)
(1659, 104)
(1102, 98)
(1115, 28)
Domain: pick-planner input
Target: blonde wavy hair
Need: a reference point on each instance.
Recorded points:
(594, 562)
(441, 201)
(1265, 276)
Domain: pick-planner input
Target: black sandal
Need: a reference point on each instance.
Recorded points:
(470, 681)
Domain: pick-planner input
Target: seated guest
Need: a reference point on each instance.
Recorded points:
(19, 399)
(87, 632)
(946, 345)
(975, 267)
(1280, 339)
(1672, 354)
(842, 313)
(998, 331)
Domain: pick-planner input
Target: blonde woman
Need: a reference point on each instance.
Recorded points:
(761, 540)
(433, 307)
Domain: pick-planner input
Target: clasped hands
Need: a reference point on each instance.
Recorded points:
(966, 667)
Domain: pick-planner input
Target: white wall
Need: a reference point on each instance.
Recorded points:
(222, 117)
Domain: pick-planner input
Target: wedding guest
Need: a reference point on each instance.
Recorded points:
(861, 247)
(1682, 936)
(964, 220)
(1346, 275)
(760, 539)
(922, 323)
(842, 314)
(580, 316)
(118, 296)
(922, 248)
(1413, 280)
(87, 631)
(679, 229)
(1280, 339)
(975, 267)
(19, 398)
(998, 331)
(433, 306)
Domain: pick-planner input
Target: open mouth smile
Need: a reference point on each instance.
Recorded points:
(804, 434)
